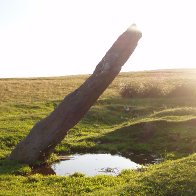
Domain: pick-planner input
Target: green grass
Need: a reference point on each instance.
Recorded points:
(169, 178)
(164, 126)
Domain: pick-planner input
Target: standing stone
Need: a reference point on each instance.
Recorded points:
(50, 131)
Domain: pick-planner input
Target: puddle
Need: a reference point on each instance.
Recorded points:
(93, 164)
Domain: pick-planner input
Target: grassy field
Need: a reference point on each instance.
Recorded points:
(160, 121)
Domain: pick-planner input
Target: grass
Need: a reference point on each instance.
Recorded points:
(168, 178)
(164, 126)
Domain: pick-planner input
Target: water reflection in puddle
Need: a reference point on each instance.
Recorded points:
(93, 164)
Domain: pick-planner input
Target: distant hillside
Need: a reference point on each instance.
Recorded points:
(55, 88)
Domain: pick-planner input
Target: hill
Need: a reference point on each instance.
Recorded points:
(158, 124)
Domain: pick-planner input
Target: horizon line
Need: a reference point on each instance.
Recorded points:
(86, 74)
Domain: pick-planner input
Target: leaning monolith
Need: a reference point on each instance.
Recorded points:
(50, 131)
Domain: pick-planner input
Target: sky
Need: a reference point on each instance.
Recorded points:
(68, 37)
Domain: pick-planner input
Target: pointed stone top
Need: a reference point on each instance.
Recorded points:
(134, 29)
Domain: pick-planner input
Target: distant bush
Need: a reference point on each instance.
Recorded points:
(153, 89)
(131, 90)
(182, 90)
(142, 90)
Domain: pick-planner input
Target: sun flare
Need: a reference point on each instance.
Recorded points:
(71, 38)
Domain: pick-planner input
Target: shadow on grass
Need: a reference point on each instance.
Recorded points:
(143, 142)
(13, 167)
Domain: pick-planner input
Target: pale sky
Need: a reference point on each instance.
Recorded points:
(65, 37)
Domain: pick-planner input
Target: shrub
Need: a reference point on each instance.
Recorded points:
(142, 90)
(154, 89)
(131, 90)
(182, 90)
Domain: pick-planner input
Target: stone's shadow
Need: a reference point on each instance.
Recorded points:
(44, 170)
(13, 167)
